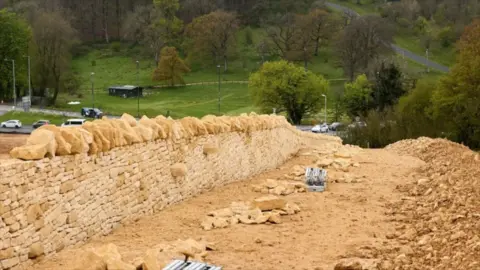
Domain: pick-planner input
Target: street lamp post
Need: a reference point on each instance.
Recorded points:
(138, 90)
(29, 80)
(93, 93)
(325, 115)
(14, 88)
(428, 67)
(219, 100)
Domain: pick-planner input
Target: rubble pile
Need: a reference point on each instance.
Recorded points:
(279, 188)
(439, 220)
(268, 209)
(107, 257)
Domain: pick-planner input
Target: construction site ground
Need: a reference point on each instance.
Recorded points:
(332, 225)
(9, 141)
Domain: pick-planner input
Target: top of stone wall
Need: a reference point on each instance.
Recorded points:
(105, 134)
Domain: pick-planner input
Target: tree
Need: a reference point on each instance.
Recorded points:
(54, 38)
(143, 27)
(14, 40)
(388, 86)
(169, 22)
(170, 68)
(323, 25)
(456, 99)
(357, 97)
(288, 88)
(283, 32)
(190, 9)
(414, 111)
(363, 40)
(213, 35)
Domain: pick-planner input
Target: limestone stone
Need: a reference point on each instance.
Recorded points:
(271, 183)
(9, 263)
(275, 218)
(129, 119)
(269, 203)
(91, 261)
(6, 253)
(219, 222)
(209, 149)
(225, 212)
(36, 250)
(116, 264)
(30, 152)
(34, 212)
(357, 264)
(72, 218)
(178, 169)
(63, 147)
(66, 187)
(207, 224)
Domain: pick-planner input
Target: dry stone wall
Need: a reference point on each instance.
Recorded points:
(52, 203)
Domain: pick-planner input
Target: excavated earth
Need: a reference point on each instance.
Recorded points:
(412, 205)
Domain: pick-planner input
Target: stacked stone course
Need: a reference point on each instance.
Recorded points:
(57, 202)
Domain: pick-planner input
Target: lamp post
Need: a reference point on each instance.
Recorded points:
(138, 90)
(29, 80)
(93, 93)
(325, 116)
(219, 100)
(14, 88)
(428, 68)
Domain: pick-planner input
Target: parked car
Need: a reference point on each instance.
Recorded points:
(40, 123)
(93, 113)
(333, 126)
(73, 122)
(323, 128)
(11, 124)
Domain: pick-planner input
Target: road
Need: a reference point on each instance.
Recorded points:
(410, 55)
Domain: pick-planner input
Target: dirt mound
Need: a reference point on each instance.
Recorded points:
(440, 217)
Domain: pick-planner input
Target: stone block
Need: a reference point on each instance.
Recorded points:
(269, 203)
(66, 187)
(178, 169)
(36, 250)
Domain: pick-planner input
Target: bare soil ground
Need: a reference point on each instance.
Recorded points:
(331, 225)
(9, 141)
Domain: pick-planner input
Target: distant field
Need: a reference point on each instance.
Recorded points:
(30, 118)
(196, 101)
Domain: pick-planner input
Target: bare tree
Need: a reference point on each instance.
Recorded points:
(283, 31)
(362, 41)
(142, 27)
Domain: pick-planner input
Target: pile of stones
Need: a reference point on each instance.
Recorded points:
(268, 209)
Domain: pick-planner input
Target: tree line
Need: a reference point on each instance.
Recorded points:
(447, 108)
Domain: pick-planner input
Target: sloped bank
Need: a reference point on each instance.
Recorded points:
(440, 217)
(113, 171)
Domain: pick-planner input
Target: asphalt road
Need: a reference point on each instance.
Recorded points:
(26, 129)
(410, 55)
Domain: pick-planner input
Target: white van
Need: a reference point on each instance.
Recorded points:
(73, 122)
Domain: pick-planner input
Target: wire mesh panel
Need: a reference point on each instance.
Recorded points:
(316, 179)
(189, 265)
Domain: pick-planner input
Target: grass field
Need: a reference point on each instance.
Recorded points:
(118, 67)
(195, 100)
(30, 118)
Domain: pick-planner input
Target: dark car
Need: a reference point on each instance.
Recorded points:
(40, 123)
(93, 113)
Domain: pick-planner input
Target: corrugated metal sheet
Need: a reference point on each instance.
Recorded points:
(189, 265)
